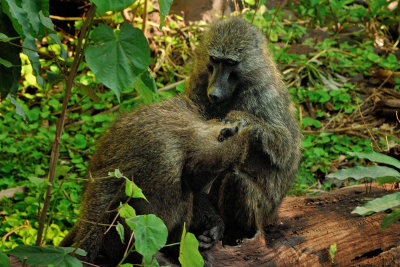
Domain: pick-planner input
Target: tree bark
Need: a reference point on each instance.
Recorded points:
(308, 226)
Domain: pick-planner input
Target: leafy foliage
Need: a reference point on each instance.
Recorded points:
(57, 256)
(379, 204)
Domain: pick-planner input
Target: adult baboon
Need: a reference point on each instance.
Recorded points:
(170, 151)
(233, 70)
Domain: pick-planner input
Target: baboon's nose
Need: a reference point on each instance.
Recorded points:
(215, 95)
(214, 98)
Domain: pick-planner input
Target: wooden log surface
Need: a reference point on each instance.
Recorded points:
(308, 226)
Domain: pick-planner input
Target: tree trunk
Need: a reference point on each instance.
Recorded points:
(308, 226)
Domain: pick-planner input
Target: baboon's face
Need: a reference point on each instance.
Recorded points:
(223, 78)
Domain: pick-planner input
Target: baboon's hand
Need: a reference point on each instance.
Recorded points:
(227, 132)
(211, 236)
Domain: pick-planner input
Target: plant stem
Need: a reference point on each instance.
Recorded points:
(60, 124)
(145, 12)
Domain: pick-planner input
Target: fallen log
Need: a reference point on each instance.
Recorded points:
(308, 226)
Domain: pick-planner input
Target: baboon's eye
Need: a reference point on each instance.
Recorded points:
(231, 62)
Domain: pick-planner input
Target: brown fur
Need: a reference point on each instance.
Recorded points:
(233, 71)
(166, 148)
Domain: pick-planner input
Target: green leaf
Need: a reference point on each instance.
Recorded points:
(79, 141)
(53, 77)
(4, 260)
(9, 77)
(377, 157)
(6, 63)
(120, 231)
(48, 255)
(126, 211)
(332, 252)
(37, 181)
(5, 38)
(64, 53)
(117, 58)
(32, 9)
(18, 17)
(150, 235)
(112, 5)
(61, 170)
(390, 219)
(116, 173)
(189, 254)
(361, 172)
(18, 108)
(379, 204)
(29, 49)
(310, 121)
(165, 5)
(146, 86)
(132, 190)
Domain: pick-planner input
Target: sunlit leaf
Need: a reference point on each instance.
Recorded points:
(150, 235)
(390, 219)
(332, 252)
(379, 204)
(126, 211)
(189, 255)
(120, 231)
(377, 157)
(360, 172)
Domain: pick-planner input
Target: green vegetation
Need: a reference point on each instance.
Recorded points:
(332, 55)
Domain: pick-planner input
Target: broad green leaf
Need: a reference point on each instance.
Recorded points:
(112, 5)
(146, 86)
(5, 63)
(379, 204)
(57, 256)
(120, 231)
(390, 219)
(9, 76)
(132, 190)
(117, 58)
(127, 265)
(150, 235)
(165, 5)
(126, 211)
(361, 172)
(377, 157)
(4, 260)
(332, 252)
(18, 17)
(32, 9)
(189, 255)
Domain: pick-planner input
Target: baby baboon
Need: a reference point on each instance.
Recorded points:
(233, 70)
(169, 151)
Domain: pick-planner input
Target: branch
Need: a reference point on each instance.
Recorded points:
(60, 124)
